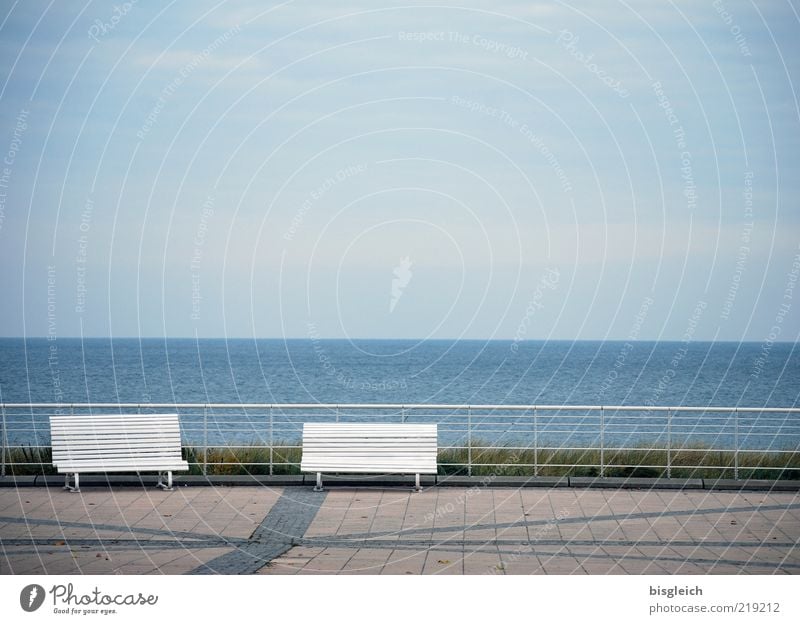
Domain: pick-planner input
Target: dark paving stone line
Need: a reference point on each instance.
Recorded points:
(336, 543)
(247, 559)
(122, 544)
(577, 520)
(753, 563)
(595, 555)
(697, 560)
(284, 525)
(40, 551)
(104, 527)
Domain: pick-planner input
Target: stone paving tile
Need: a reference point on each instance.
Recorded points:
(119, 531)
(444, 562)
(367, 561)
(405, 562)
(483, 562)
(477, 530)
(562, 564)
(329, 560)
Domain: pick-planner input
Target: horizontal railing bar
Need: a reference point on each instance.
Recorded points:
(609, 449)
(616, 428)
(397, 406)
(462, 464)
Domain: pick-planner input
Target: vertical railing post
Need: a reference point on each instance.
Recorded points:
(736, 444)
(669, 443)
(271, 439)
(602, 442)
(535, 444)
(337, 413)
(403, 414)
(3, 441)
(205, 439)
(469, 441)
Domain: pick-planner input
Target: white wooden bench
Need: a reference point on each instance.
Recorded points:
(369, 448)
(116, 443)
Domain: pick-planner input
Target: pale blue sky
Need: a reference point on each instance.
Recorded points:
(233, 169)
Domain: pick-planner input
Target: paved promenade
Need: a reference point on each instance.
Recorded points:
(479, 530)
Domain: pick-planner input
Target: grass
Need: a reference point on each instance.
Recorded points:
(692, 462)
(245, 460)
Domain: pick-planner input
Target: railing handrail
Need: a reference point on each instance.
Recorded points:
(405, 406)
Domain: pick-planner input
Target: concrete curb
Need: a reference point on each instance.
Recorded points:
(638, 483)
(489, 481)
(751, 484)
(57, 481)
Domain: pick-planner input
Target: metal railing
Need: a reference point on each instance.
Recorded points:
(473, 439)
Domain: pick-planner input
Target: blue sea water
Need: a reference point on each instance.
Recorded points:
(390, 371)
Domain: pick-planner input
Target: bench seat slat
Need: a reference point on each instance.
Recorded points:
(118, 440)
(99, 457)
(121, 429)
(123, 461)
(79, 418)
(79, 466)
(109, 428)
(153, 448)
(155, 426)
(88, 446)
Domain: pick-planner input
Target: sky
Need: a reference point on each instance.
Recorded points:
(513, 170)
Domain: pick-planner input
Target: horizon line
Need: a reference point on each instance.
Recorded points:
(306, 338)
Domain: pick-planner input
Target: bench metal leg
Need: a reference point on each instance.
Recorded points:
(417, 487)
(76, 487)
(318, 487)
(167, 487)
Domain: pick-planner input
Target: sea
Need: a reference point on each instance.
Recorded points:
(474, 372)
